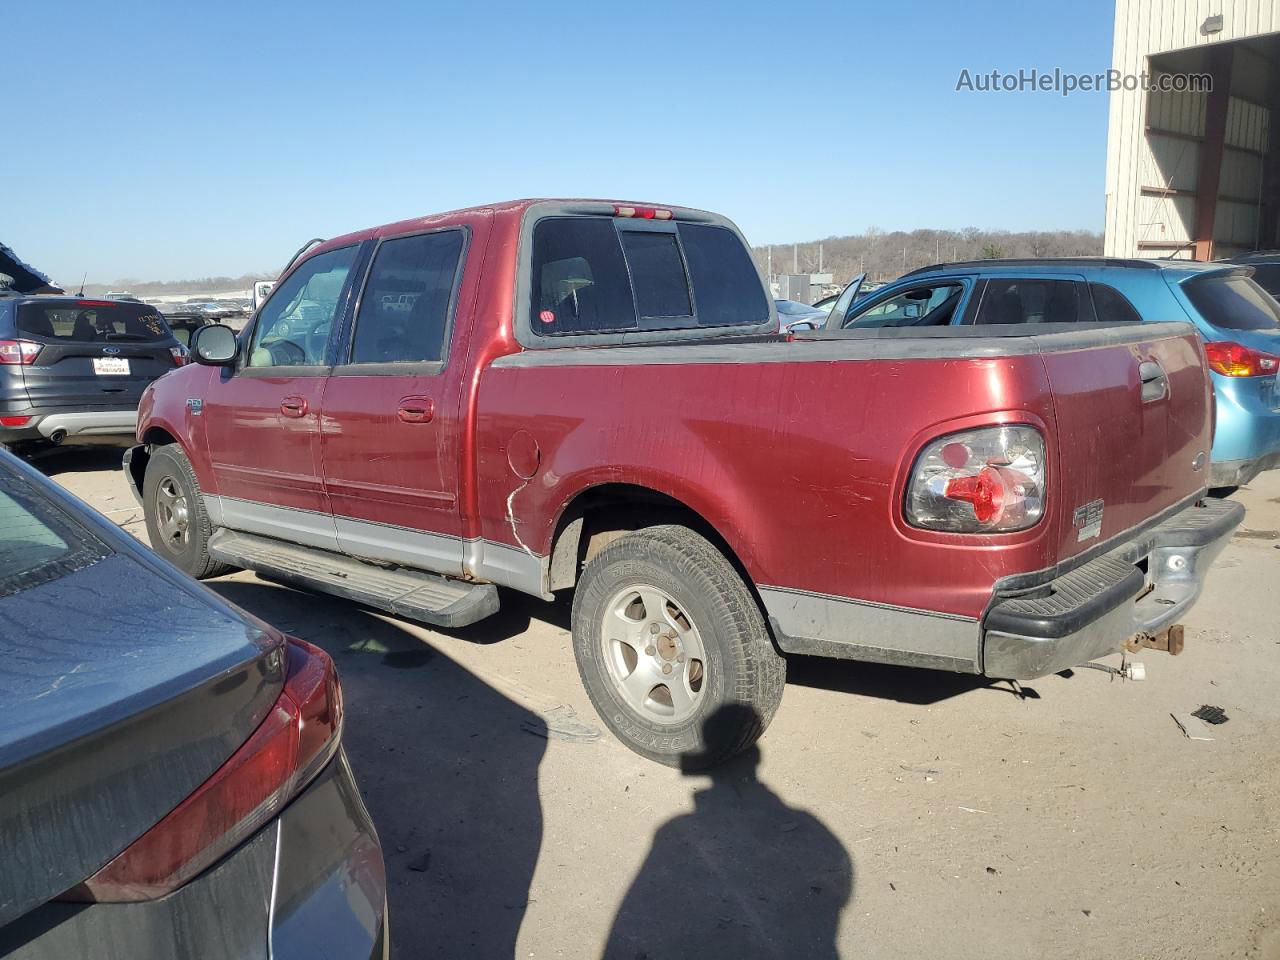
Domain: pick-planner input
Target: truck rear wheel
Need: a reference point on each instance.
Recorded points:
(177, 524)
(667, 636)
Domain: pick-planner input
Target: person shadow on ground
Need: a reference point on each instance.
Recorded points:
(742, 876)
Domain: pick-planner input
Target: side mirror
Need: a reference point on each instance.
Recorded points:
(214, 345)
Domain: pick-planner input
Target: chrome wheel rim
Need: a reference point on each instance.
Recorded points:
(173, 516)
(654, 654)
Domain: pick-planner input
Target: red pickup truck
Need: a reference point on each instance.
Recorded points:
(561, 395)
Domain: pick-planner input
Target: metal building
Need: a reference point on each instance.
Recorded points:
(1190, 172)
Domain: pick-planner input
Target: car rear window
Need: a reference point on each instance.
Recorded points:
(38, 540)
(1267, 276)
(89, 321)
(592, 276)
(1234, 303)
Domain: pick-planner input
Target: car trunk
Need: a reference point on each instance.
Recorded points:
(114, 710)
(93, 353)
(1127, 451)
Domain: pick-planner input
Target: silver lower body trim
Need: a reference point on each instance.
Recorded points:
(485, 560)
(847, 629)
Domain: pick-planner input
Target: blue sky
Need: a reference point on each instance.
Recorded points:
(169, 141)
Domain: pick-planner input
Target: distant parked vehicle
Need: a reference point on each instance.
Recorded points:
(184, 323)
(1266, 269)
(173, 774)
(1238, 322)
(72, 369)
(125, 296)
(793, 314)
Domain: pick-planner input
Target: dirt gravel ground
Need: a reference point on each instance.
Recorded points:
(887, 813)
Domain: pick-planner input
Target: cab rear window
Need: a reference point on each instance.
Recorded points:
(90, 321)
(1234, 303)
(595, 275)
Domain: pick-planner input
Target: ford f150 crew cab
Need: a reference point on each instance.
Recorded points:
(593, 397)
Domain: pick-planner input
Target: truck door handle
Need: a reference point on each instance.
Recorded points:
(416, 410)
(1155, 385)
(294, 406)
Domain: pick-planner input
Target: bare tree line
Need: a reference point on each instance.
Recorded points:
(884, 256)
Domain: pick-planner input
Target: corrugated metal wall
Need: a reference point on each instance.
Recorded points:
(1167, 163)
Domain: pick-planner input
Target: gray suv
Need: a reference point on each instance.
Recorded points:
(73, 369)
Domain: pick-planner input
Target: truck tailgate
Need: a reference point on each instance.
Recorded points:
(1134, 426)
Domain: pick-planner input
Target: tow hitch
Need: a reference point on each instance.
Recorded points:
(1170, 640)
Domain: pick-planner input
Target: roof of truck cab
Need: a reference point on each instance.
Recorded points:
(506, 207)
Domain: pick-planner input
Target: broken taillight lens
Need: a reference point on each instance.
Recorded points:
(980, 481)
(294, 743)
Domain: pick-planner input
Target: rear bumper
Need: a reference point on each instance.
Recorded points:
(81, 426)
(1142, 586)
(309, 884)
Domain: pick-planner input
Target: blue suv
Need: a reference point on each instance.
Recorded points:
(1238, 321)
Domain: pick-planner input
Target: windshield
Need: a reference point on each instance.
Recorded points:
(1234, 303)
(90, 321)
(38, 541)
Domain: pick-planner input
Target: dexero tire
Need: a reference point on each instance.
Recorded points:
(672, 648)
(177, 523)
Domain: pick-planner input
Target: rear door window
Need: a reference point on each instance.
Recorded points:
(90, 321)
(1032, 300)
(927, 305)
(1233, 303)
(597, 275)
(405, 309)
(1112, 306)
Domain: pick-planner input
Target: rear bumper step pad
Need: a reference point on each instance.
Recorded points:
(1091, 611)
(412, 594)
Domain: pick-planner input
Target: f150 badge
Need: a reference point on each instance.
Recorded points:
(1088, 520)
(195, 405)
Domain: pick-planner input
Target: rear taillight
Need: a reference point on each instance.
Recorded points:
(294, 743)
(1237, 360)
(18, 352)
(642, 213)
(180, 355)
(14, 421)
(980, 481)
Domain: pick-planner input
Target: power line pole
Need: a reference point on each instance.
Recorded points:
(795, 258)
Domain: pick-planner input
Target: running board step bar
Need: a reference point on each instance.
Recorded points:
(412, 594)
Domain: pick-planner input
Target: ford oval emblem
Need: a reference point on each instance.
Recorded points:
(111, 351)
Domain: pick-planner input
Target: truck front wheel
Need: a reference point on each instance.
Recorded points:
(673, 650)
(177, 524)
